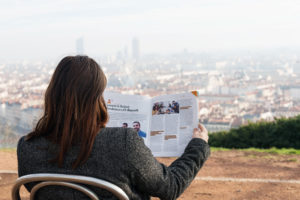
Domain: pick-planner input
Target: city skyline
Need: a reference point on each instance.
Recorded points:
(47, 30)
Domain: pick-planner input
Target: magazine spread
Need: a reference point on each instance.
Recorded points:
(165, 122)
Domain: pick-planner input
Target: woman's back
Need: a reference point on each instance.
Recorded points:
(119, 156)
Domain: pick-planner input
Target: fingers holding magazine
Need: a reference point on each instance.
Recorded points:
(201, 133)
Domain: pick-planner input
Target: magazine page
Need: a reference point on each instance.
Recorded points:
(131, 111)
(173, 119)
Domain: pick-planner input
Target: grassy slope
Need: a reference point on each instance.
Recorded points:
(8, 149)
(283, 151)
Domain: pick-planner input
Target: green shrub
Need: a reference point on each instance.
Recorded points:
(281, 133)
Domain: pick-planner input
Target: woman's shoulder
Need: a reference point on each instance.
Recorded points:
(23, 141)
(27, 146)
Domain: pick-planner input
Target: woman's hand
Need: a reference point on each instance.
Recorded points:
(200, 132)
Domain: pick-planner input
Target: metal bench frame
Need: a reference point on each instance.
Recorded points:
(65, 180)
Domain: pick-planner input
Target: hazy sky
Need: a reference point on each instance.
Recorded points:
(35, 29)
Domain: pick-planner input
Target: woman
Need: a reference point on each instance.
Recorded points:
(71, 138)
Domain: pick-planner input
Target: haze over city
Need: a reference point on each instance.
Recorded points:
(47, 30)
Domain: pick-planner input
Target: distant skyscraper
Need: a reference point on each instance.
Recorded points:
(125, 52)
(135, 49)
(79, 46)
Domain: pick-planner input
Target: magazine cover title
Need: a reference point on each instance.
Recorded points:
(120, 107)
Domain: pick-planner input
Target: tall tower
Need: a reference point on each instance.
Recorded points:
(79, 46)
(125, 52)
(135, 49)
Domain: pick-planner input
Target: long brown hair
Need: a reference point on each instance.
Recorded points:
(74, 109)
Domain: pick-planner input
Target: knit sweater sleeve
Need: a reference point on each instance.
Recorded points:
(155, 179)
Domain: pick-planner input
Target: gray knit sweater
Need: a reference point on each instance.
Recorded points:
(120, 156)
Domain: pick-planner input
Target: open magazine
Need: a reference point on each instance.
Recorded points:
(165, 122)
